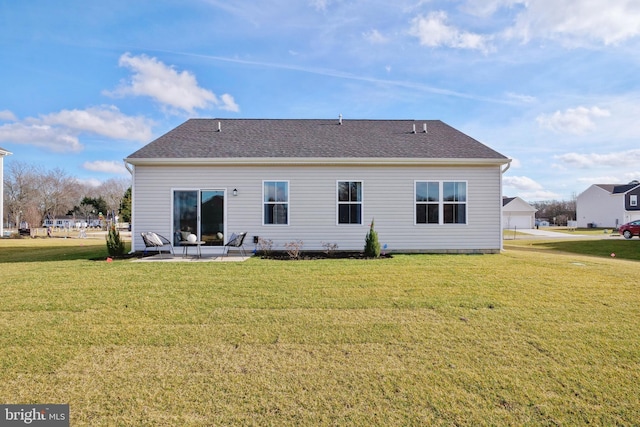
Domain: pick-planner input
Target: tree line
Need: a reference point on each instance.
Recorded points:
(557, 212)
(33, 194)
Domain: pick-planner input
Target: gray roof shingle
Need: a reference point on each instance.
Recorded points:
(303, 138)
(617, 188)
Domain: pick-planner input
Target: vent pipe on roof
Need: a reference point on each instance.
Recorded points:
(424, 128)
(219, 127)
(340, 119)
(414, 128)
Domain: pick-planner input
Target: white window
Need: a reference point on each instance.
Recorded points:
(633, 200)
(275, 202)
(441, 202)
(349, 202)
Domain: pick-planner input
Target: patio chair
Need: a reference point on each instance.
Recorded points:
(235, 241)
(154, 240)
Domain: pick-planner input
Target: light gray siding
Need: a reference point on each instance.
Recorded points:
(388, 197)
(597, 206)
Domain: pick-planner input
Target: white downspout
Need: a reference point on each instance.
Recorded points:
(131, 223)
(502, 172)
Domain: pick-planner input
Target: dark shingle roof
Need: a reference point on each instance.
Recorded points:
(623, 188)
(507, 200)
(617, 188)
(293, 138)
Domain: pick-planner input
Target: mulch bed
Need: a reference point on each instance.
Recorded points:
(312, 255)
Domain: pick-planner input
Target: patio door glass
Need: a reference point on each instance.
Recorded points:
(199, 212)
(212, 217)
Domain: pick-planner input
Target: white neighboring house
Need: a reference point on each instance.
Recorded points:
(608, 205)
(428, 186)
(3, 153)
(517, 214)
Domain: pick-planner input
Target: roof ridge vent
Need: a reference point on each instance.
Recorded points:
(414, 128)
(340, 119)
(219, 127)
(424, 128)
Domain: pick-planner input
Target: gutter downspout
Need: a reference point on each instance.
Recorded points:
(131, 171)
(506, 168)
(502, 172)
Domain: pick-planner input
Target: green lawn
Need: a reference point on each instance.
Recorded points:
(614, 247)
(527, 337)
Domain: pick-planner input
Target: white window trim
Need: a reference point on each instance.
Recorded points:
(441, 203)
(337, 196)
(288, 203)
(633, 200)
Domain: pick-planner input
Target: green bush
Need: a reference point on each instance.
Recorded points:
(372, 246)
(115, 245)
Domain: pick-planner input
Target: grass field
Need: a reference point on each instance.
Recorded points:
(527, 337)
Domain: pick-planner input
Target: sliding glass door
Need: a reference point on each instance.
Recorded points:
(212, 217)
(199, 212)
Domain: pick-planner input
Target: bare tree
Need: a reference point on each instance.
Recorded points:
(112, 191)
(59, 193)
(31, 193)
(20, 191)
(558, 212)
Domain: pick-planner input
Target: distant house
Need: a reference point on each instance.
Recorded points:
(517, 214)
(3, 153)
(608, 205)
(428, 186)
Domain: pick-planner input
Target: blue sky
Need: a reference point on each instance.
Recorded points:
(552, 84)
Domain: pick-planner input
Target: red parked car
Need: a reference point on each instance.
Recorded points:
(630, 229)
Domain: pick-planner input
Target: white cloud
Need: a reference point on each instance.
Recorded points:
(39, 135)
(521, 183)
(539, 195)
(573, 22)
(7, 116)
(599, 180)
(630, 176)
(375, 37)
(106, 120)
(106, 166)
(484, 8)
(60, 131)
(433, 31)
(618, 159)
(177, 90)
(574, 120)
(515, 163)
(228, 103)
(527, 188)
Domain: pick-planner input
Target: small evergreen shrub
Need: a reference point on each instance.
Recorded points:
(115, 245)
(372, 246)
